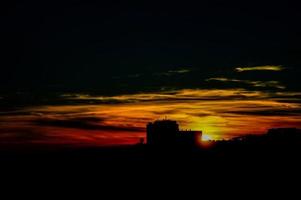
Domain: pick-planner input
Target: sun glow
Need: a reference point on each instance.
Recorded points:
(206, 138)
(211, 126)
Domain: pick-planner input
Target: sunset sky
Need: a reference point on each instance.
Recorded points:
(87, 73)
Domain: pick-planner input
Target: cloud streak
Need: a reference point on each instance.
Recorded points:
(260, 68)
(263, 84)
(174, 72)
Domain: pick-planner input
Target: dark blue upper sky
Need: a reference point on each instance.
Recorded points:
(121, 47)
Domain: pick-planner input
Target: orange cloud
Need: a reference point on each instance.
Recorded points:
(219, 113)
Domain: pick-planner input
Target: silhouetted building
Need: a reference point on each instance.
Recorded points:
(273, 136)
(191, 138)
(284, 134)
(167, 133)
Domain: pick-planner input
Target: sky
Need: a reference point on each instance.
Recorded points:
(95, 73)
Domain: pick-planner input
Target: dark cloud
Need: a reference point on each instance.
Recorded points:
(268, 112)
(8, 135)
(84, 123)
(200, 114)
(165, 112)
(15, 113)
(297, 101)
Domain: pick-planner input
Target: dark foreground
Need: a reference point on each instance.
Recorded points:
(219, 155)
(235, 166)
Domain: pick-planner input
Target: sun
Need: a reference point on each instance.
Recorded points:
(210, 126)
(206, 138)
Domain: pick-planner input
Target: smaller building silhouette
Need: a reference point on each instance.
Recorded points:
(166, 133)
(284, 134)
(274, 136)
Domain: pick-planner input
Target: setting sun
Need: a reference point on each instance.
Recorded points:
(206, 138)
